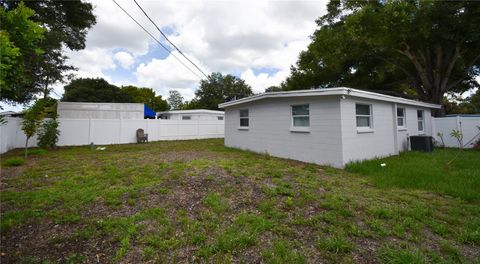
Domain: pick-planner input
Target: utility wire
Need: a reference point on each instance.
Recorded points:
(165, 36)
(159, 43)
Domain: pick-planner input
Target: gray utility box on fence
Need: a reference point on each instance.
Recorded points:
(421, 143)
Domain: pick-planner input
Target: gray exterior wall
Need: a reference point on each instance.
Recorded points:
(366, 145)
(269, 129)
(412, 126)
(333, 138)
(381, 141)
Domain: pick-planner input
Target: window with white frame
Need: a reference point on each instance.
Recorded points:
(244, 122)
(185, 117)
(220, 117)
(301, 115)
(421, 120)
(364, 115)
(401, 117)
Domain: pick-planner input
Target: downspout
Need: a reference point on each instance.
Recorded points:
(395, 129)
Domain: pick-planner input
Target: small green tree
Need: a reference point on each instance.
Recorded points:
(219, 88)
(48, 133)
(32, 119)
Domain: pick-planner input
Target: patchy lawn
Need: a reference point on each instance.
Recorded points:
(197, 201)
(447, 171)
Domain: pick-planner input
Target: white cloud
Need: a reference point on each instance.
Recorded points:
(91, 62)
(226, 36)
(124, 58)
(262, 81)
(168, 74)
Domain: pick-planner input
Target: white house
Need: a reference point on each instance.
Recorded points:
(81, 110)
(195, 114)
(325, 126)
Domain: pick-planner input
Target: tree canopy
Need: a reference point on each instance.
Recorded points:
(100, 91)
(217, 89)
(273, 89)
(424, 49)
(469, 105)
(19, 43)
(146, 96)
(94, 90)
(175, 100)
(65, 24)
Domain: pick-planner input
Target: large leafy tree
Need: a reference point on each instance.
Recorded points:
(219, 88)
(66, 25)
(146, 96)
(424, 49)
(20, 37)
(94, 90)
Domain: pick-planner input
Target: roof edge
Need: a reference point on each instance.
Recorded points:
(330, 91)
(192, 111)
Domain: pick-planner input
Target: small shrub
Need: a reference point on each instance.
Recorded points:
(289, 202)
(14, 162)
(48, 134)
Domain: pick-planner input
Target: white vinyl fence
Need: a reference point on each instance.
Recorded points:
(468, 125)
(113, 131)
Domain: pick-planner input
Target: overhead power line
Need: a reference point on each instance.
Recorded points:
(165, 36)
(156, 40)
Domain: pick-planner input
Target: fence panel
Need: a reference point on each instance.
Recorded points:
(468, 125)
(113, 131)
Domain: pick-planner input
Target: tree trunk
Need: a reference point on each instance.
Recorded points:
(433, 71)
(26, 147)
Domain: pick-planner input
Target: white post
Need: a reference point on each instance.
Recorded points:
(198, 128)
(90, 131)
(120, 131)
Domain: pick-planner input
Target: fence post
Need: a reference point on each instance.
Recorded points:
(120, 131)
(90, 131)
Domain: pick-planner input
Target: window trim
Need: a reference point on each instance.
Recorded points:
(421, 120)
(294, 128)
(404, 117)
(240, 127)
(364, 129)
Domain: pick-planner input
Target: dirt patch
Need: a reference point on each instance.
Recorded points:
(189, 194)
(45, 240)
(365, 250)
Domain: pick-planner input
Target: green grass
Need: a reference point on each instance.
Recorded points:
(282, 252)
(198, 201)
(37, 151)
(402, 255)
(427, 171)
(13, 162)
